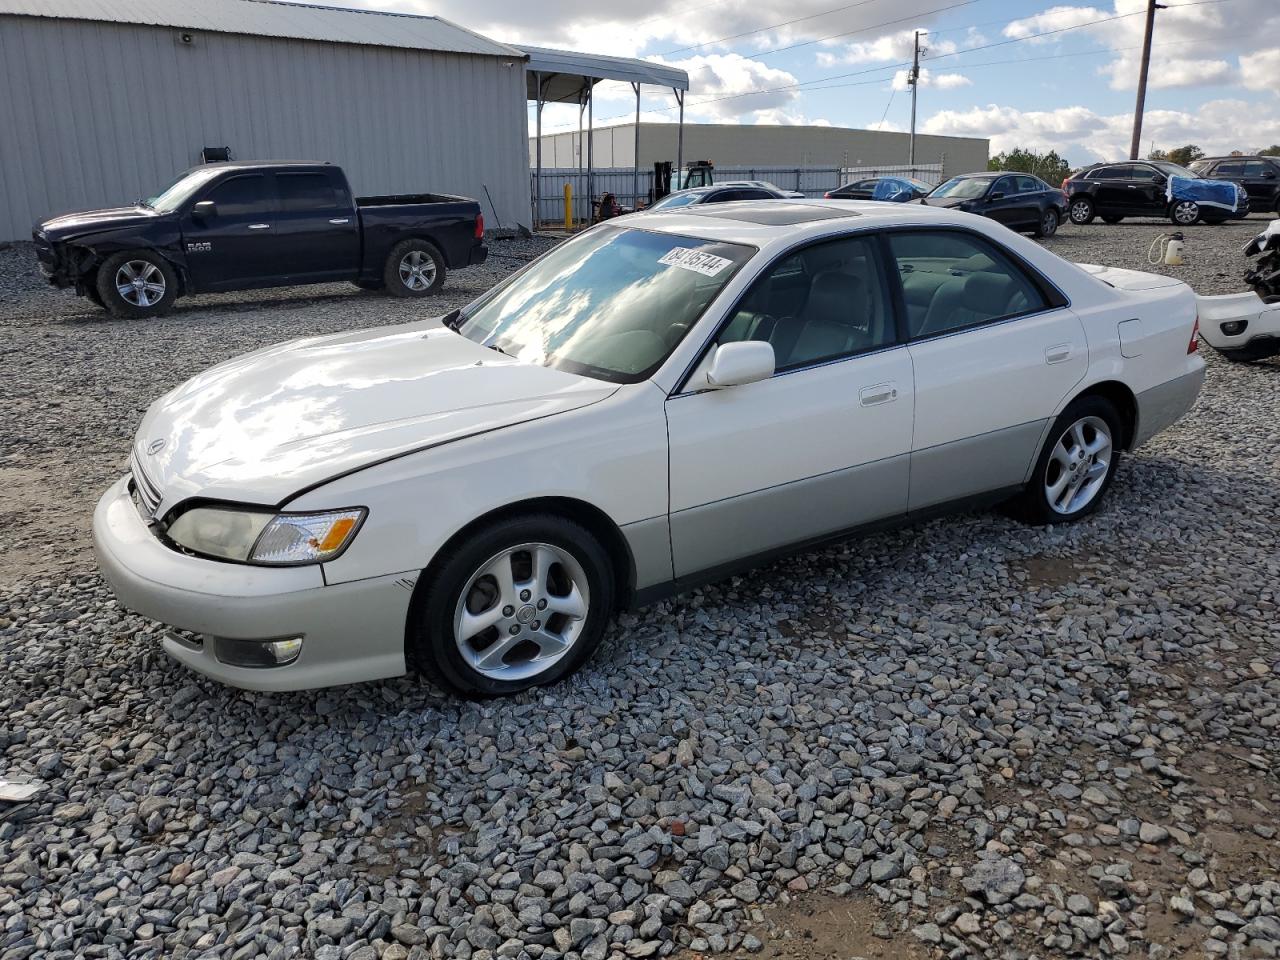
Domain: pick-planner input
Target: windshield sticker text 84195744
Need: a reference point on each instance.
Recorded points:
(708, 264)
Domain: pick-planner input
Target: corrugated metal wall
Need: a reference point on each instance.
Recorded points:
(95, 114)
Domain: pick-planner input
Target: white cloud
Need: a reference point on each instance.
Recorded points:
(1261, 70)
(888, 48)
(1082, 135)
(1055, 18)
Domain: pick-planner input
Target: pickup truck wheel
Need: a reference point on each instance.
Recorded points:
(1077, 464)
(414, 268)
(137, 284)
(1081, 211)
(521, 602)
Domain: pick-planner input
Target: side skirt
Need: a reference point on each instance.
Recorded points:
(661, 591)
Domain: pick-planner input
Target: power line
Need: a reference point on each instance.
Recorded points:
(773, 26)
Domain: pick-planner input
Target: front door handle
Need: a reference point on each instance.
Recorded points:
(259, 226)
(1058, 353)
(877, 394)
(340, 220)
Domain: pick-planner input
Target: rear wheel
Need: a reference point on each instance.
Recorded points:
(414, 268)
(1081, 211)
(1183, 213)
(1048, 224)
(137, 283)
(520, 603)
(1077, 464)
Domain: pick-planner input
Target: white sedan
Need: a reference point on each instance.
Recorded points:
(653, 403)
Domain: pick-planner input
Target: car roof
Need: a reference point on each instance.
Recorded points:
(1250, 156)
(258, 164)
(981, 174)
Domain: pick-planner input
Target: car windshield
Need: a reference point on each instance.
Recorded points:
(963, 188)
(181, 190)
(611, 304)
(676, 200)
(1175, 170)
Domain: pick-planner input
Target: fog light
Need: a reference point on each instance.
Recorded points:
(1233, 328)
(258, 653)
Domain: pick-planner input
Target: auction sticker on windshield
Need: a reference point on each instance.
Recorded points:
(708, 264)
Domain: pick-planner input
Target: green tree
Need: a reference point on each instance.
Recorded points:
(1047, 166)
(1180, 155)
(1271, 151)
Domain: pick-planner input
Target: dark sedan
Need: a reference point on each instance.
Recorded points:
(1018, 200)
(724, 193)
(866, 189)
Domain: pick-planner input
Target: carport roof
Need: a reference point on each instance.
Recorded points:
(567, 73)
(275, 18)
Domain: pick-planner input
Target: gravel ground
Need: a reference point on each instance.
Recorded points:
(967, 738)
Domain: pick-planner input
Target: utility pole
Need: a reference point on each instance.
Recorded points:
(1136, 142)
(913, 78)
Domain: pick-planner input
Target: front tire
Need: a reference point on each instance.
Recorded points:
(522, 602)
(1183, 213)
(1081, 211)
(1077, 464)
(1048, 224)
(137, 284)
(414, 268)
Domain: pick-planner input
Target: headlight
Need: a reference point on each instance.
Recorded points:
(254, 536)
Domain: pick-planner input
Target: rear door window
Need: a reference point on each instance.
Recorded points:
(1230, 168)
(1029, 185)
(301, 192)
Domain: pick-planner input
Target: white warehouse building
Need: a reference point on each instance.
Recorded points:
(107, 101)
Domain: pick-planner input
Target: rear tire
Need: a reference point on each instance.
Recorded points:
(1048, 224)
(541, 626)
(1076, 466)
(1081, 211)
(1183, 213)
(414, 268)
(137, 284)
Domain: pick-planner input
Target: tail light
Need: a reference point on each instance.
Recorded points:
(1194, 345)
(827, 195)
(479, 226)
(1064, 184)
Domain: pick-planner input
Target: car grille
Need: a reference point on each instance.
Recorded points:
(146, 493)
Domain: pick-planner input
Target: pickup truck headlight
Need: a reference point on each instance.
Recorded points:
(245, 535)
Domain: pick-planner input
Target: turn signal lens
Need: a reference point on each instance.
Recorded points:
(306, 537)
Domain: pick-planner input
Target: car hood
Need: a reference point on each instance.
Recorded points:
(66, 225)
(263, 427)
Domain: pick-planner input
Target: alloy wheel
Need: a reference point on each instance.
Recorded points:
(1080, 211)
(1185, 212)
(1078, 465)
(522, 611)
(417, 270)
(1049, 223)
(140, 282)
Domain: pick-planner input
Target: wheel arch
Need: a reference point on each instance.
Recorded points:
(1122, 398)
(599, 523)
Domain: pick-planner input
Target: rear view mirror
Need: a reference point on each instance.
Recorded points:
(742, 362)
(205, 210)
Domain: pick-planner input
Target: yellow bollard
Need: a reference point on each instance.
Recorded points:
(568, 208)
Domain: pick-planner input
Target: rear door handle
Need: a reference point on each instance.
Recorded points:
(1058, 353)
(877, 394)
(340, 220)
(259, 226)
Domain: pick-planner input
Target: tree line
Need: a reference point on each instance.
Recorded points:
(1053, 168)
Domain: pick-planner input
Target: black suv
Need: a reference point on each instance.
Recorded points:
(1134, 188)
(1260, 177)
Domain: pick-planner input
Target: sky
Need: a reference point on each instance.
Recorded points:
(1022, 73)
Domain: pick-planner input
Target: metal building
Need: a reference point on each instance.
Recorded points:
(106, 101)
(761, 145)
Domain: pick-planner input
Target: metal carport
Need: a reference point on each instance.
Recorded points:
(565, 76)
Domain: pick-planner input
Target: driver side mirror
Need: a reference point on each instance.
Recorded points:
(1156, 178)
(205, 210)
(739, 363)
(997, 195)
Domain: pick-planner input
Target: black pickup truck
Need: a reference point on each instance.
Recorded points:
(240, 226)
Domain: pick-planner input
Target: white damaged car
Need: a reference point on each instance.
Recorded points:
(654, 403)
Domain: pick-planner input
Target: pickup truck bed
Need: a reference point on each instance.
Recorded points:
(237, 226)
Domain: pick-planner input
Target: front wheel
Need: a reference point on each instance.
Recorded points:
(1077, 464)
(522, 602)
(1081, 211)
(137, 284)
(414, 268)
(1183, 213)
(1048, 224)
